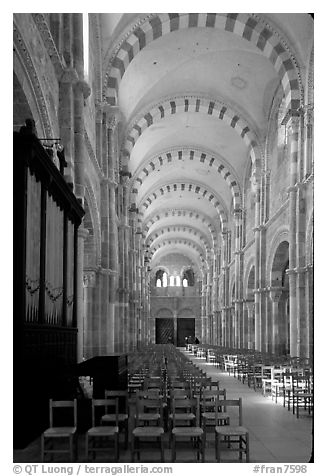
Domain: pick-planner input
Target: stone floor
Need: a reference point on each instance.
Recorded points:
(276, 435)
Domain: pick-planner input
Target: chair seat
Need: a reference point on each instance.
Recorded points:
(182, 416)
(187, 431)
(211, 415)
(60, 431)
(231, 430)
(102, 430)
(108, 417)
(149, 416)
(153, 431)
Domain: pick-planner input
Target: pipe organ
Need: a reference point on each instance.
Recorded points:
(46, 220)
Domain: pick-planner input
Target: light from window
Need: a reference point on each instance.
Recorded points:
(178, 281)
(185, 283)
(171, 281)
(86, 44)
(158, 284)
(164, 280)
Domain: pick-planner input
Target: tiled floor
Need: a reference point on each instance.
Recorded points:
(276, 435)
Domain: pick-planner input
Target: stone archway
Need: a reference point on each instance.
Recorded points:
(278, 325)
(185, 326)
(164, 326)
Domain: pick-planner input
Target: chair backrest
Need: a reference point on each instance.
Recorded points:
(121, 394)
(147, 402)
(229, 403)
(107, 404)
(62, 404)
(189, 404)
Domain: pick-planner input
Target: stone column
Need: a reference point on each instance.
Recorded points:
(132, 280)
(256, 180)
(175, 326)
(284, 327)
(251, 323)
(225, 290)
(292, 121)
(308, 140)
(238, 277)
(90, 339)
(66, 119)
(81, 237)
(309, 307)
(203, 309)
(113, 117)
(66, 99)
(275, 294)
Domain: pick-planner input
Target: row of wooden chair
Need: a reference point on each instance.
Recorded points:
(174, 399)
(281, 377)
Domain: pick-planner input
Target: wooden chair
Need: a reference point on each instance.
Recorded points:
(110, 418)
(302, 394)
(210, 411)
(98, 433)
(232, 434)
(148, 423)
(194, 432)
(56, 432)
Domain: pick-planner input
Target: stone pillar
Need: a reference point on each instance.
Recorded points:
(251, 323)
(284, 328)
(175, 326)
(112, 118)
(133, 284)
(292, 121)
(66, 119)
(203, 309)
(225, 290)
(238, 278)
(275, 294)
(90, 338)
(208, 303)
(309, 307)
(82, 235)
(256, 180)
(308, 140)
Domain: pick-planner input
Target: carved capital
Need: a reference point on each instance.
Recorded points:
(69, 76)
(113, 116)
(275, 293)
(83, 86)
(292, 120)
(83, 233)
(89, 278)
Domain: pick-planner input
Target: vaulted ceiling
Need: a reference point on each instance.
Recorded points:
(195, 92)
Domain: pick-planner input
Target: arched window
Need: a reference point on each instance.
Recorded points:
(164, 280)
(171, 281)
(188, 275)
(178, 281)
(158, 283)
(185, 283)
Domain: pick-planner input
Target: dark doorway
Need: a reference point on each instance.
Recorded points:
(164, 330)
(185, 328)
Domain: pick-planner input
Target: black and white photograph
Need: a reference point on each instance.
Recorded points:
(163, 282)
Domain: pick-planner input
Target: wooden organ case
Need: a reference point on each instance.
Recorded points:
(46, 220)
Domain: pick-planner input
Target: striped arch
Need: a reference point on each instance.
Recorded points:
(188, 153)
(250, 27)
(189, 187)
(178, 228)
(180, 241)
(190, 103)
(182, 212)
